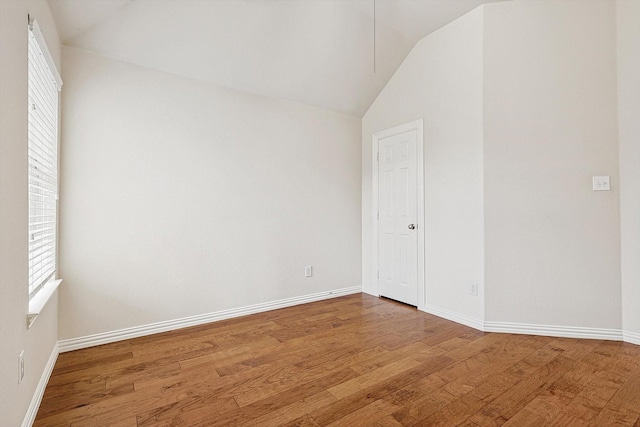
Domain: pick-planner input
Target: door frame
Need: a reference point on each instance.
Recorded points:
(416, 125)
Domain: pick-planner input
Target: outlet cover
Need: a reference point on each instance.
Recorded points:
(474, 289)
(307, 271)
(20, 366)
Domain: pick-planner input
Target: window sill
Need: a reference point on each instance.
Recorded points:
(38, 302)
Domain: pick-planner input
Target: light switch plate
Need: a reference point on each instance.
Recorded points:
(601, 183)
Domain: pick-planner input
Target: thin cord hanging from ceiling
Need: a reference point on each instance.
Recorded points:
(374, 36)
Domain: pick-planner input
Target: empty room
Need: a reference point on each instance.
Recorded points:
(319, 213)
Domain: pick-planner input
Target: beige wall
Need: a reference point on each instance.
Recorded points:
(182, 198)
(552, 244)
(39, 341)
(628, 19)
(441, 82)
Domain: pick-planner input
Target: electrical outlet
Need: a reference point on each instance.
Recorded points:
(474, 289)
(307, 271)
(20, 366)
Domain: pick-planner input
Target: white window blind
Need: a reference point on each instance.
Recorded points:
(44, 83)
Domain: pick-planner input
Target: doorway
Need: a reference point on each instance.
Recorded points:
(398, 217)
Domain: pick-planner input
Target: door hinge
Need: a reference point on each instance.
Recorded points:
(377, 215)
(378, 274)
(378, 157)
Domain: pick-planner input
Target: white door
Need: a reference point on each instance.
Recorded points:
(397, 223)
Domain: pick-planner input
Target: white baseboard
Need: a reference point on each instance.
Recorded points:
(454, 317)
(533, 329)
(631, 337)
(169, 325)
(555, 331)
(34, 405)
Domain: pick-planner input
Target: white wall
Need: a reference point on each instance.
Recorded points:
(628, 20)
(39, 341)
(552, 244)
(520, 106)
(181, 198)
(441, 82)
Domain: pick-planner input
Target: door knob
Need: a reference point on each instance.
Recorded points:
(412, 226)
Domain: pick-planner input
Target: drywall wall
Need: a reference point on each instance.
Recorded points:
(39, 341)
(552, 245)
(520, 108)
(441, 82)
(182, 198)
(628, 19)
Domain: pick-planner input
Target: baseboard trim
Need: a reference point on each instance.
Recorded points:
(532, 329)
(169, 325)
(454, 317)
(555, 331)
(34, 405)
(631, 337)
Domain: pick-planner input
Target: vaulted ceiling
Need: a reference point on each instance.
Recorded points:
(316, 52)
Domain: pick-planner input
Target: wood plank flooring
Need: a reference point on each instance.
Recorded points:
(350, 361)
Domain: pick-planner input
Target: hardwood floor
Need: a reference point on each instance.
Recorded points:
(350, 361)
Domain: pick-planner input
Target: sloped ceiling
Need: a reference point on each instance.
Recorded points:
(316, 52)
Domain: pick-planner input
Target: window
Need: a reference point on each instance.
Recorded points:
(44, 84)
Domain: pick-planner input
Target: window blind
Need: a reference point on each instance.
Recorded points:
(42, 161)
